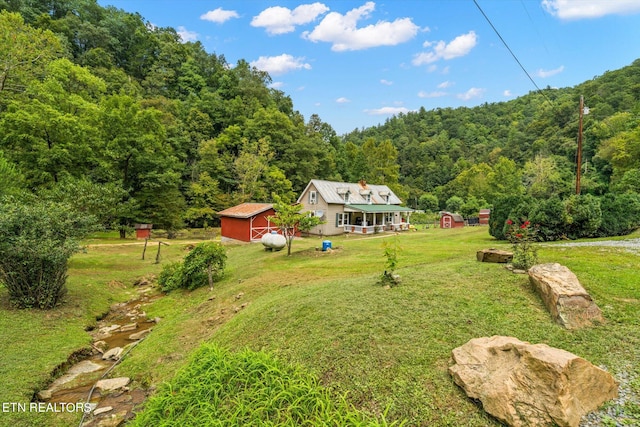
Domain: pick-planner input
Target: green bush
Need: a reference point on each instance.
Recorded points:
(583, 216)
(500, 212)
(203, 265)
(620, 214)
(170, 277)
(548, 217)
(38, 238)
(220, 388)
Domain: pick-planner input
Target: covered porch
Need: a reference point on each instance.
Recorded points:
(370, 219)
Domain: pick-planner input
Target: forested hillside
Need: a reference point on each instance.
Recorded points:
(103, 111)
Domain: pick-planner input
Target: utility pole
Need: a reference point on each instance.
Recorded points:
(579, 155)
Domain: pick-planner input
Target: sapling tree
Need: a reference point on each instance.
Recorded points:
(391, 249)
(290, 219)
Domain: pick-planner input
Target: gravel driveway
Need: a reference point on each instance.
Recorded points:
(630, 245)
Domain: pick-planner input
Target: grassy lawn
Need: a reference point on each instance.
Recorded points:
(385, 348)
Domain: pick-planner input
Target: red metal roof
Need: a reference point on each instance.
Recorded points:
(246, 210)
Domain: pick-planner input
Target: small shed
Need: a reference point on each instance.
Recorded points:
(451, 220)
(143, 231)
(484, 216)
(247, 222)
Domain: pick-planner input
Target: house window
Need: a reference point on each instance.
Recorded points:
(342, 219)
(388, 218)
(313, 197)
(345, 197)
(367, 198)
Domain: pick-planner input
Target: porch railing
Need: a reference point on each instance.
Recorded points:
(372, 229)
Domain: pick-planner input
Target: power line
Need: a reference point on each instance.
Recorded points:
(510, 51)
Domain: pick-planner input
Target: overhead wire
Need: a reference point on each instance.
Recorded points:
(511, 51)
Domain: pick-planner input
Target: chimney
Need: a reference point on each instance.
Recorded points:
(362, 183)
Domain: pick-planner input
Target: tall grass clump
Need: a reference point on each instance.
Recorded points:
(221, 388)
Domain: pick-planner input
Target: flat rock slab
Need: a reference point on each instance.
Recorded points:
(568, 302)
(112, 384)
(494, 255)
(77, 373)
(139, 335)
(525, 384)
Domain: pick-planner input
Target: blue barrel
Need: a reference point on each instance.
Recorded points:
(326, 244)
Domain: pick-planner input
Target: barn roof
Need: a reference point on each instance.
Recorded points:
(246, 210)
(456, 217)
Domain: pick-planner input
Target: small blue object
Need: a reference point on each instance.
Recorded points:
(326, 244)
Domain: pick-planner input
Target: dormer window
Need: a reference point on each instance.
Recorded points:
(385, 196)
(366, 195)
(344, 193)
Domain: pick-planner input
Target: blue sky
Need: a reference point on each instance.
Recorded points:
(356, 63)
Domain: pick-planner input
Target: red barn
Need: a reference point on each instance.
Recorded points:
(247, 222)
(484, 215)
(451, 220)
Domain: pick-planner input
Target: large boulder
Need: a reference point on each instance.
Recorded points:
(526, 384)
(565, 298)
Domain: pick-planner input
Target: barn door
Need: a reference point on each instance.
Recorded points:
(446, 222)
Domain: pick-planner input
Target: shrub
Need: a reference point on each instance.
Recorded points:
(203, 265)
(501, 212)
(522, 235)
(249, 388)
(583, 216)
(620, 214)
(170, 277)
(38, 238)
(548, 217)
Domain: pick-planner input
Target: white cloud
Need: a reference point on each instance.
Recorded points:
(460, 46)
(445, 85)
(436, 94)
(282, 20)
(386, 82)
(342, 100)
(186, 35)
(219, 15)
(580, 9)
(280, 64)
(387, 111)
(277, 85)
(548, 73)
(474, 92)
(343, 32)
(507, 93)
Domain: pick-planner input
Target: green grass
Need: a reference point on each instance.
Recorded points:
(35, 342)
(220, 388)
(325, 312)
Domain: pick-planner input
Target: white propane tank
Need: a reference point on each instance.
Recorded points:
(274, 241)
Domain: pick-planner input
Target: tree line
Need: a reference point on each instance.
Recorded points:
(120, 119)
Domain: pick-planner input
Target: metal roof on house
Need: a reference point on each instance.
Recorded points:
(246, 210)
(333, 192)
(367, 208)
